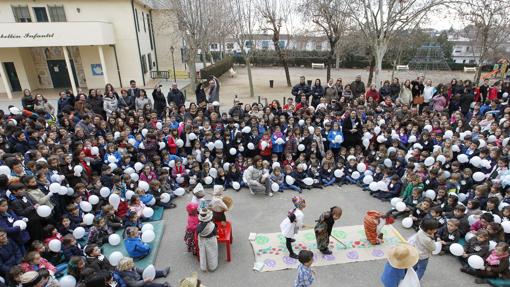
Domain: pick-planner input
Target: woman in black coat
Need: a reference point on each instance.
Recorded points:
(159, 100)
(352, 130)
(317, 93)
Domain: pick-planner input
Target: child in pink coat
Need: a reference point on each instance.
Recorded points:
(189, 236)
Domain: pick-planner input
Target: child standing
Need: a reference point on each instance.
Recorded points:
(424, 242)
(292, 223)
(191, 228)
(207, 241)
(305, 275)
(400, 259)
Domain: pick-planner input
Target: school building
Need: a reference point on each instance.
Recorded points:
(84, 43)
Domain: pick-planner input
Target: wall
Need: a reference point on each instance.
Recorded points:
(89, 56)
(167, 35)
(14, 55)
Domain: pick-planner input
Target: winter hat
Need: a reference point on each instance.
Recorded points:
(298, 201)
(205, 215)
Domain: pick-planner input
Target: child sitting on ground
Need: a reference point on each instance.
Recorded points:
(98, 233)
(496, 265)
(448, 235)
(134, 245)
(478, 245)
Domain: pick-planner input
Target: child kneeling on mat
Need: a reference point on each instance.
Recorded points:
(135, 247)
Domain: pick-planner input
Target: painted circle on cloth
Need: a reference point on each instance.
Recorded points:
(353, 254)
(289, 261)
(310, 236)
(329, 257)
(270, 262)
(339, 234)
(377, 253)
(281, 238)
(261, 239)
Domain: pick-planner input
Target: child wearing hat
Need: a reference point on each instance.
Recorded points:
(292, 223)
(217, 205)
(400, 260)
(191, 227)
(207, 241)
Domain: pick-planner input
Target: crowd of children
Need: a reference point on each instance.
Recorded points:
(91, 172)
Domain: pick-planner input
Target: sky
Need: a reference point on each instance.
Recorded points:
(442, 21)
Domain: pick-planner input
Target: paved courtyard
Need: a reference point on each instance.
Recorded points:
(262, 214)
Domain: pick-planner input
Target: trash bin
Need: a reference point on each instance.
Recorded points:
(271, 83)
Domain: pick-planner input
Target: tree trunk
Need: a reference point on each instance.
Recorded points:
(250, 78)
(337, 60)
(328, 64)
(284, 61)
(370, 71)
(193, 74)
(379, 52)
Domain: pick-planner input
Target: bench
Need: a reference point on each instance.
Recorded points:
(318, 65)
(469, 69)
(402, 67)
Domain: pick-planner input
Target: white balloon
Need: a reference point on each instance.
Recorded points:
(355, 175)
(93, 199)
(129, 194)
(179, 191)
(308, 181)
(62, 190)
(289, 180)
(114, 200)
(179, 179)
(148, 236)
(430, 194)
(502, 205)
(113, 166)
(104, 192)
(55, 178)
(88, 218)
(462, 197)
(361, 167)
(5, 170)
(478, 176)
(179, 143)
(232, 151)
(148, 212)
(138, 166)
(387, 162)
(134, 176)
(429, 161)
(462, 158)
(54, 187)
(208, 180)
(373, 186)
(115, 258)
(246, 130)
(210, 145)
(78, 168)
(338, 173)
(20, 223)
(506, 226)
(301, 147)
(218, 144)
(78, 232)
(43, 211)
(366, 143)
(152, 201)
(147, 226)
(159, 125)
(456, 249)
(165, 197)
(144, 132)
(475, 161)
(192, 136)
(114, 239)
(381, 139)
(112, 159)
(492, 245)
(143, 185)
(377, 130)
(149, 273)
(236, 185)
(301, 122)
(162, 145)
(132, 141)
(213, 172)
(275, 187)
(448, 134)
(412, 139)
(472, 219)
(428, 128)
(469, 235)
(55, 245)
(438, 248)
(67, 281)
(172, 163)
(497, 218)
(85, 206)
(395, 200)
(475, 262)
(368, 179)
(129, 170)
(400, 206)
(381, 185)
(251, 146)
(407, 222)
(339, 139)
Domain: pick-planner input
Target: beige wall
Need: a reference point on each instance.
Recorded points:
(14, 55)
(89, 56)
(167, 35)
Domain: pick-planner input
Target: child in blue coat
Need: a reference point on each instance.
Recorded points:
(134, 245)
(400, 260)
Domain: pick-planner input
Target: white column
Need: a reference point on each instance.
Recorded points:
(103, 64)
(5, 81)
(70, 70)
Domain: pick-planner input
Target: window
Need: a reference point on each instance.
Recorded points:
(144, 64)
(151, 37)
(213, 46)
(472, 61)
(230, 46)
(248, 44)
(136, 21)
(40, 14)
(21, 14)
(143, 20)
(281, 43)
(265, 44)
(149, 59)
(318, 46)
(57, 13)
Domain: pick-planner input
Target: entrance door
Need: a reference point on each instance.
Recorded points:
(59, 73)
(13, 76)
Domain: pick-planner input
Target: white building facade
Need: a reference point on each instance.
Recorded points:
(76, 44)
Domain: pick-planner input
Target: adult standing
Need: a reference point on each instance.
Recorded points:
(330, 91)
(352, 129)
(324, 227)
(406, 95)
(142, 100)
(110, 104)
(201, 97)
(301, 88)
(175, 95)
(395, 89)
(28, 100)
(159, 100)
(213, 93)
(256, 179)
(317, 93)
(95, 103)
(128, 99)
(358, 87)
(428, 92)
(65, 100)
(484, 90)
(133, 90)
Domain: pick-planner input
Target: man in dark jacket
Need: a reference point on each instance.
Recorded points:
(10, 254)
(66, 100)
(300, 88)
(358, 87)
(176, 96)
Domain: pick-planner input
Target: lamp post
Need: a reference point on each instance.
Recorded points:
(173, 62)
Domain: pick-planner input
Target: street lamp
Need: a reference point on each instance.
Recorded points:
(173, 62)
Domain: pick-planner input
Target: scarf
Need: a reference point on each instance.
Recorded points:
(208, 229)
(495, 259)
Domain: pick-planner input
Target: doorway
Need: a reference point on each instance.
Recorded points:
(59, 74)
(10, 70)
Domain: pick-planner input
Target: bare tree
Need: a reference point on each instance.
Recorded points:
(329, 17)
(382, 20)
(275, 14)
(242, 16)
(487, 28)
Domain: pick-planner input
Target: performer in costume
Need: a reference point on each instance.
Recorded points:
(374, 222)
(292, 223)
(324, 227)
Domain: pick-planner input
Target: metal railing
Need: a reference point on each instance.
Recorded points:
(160, 75)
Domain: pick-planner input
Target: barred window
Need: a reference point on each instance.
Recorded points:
(57, 13)
(21, 14)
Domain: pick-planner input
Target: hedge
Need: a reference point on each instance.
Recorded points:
(218, 68)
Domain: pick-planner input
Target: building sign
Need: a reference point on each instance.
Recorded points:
(55, 34)
(97, 69)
